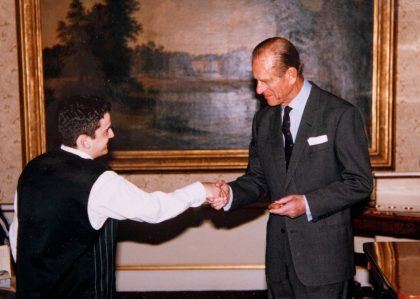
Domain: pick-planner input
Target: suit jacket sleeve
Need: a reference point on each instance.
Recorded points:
(252, 185)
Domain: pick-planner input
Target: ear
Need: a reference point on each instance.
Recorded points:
(83, 142)
(292, 75)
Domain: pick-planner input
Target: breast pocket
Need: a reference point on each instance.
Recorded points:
(319, 147)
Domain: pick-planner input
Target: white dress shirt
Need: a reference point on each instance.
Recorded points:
(112, 196)
(298, 105)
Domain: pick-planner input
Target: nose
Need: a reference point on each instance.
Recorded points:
(111, 133)
(260, 87)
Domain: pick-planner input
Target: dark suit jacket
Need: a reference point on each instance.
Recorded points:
(333, 175)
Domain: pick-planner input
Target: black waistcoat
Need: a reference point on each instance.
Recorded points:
(59, 253)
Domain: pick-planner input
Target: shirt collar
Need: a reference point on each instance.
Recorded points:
(299, 102)
(75, 151)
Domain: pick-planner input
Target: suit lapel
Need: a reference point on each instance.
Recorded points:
(304, 131)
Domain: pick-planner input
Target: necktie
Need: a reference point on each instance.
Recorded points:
(288, 139)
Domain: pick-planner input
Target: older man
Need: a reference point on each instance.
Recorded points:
(309, 152)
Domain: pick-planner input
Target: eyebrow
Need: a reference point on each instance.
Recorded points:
(107, 127)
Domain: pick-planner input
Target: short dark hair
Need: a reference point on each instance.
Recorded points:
(80, 115)
(284, 52)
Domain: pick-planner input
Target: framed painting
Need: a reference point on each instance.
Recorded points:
(178, 73)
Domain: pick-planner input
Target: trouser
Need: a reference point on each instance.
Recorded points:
(291, 287)
(290, 290)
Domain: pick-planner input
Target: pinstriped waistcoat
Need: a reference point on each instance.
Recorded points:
(59, 253)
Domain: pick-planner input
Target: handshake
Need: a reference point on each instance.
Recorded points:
(217, 194)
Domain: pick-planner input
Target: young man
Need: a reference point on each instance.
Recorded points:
(63, 235)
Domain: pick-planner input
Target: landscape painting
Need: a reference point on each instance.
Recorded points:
(178, 72)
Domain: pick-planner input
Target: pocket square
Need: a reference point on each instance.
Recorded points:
(317, 140)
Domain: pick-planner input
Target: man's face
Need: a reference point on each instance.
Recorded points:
(99, 144)
(275, 89)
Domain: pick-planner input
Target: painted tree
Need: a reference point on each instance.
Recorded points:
(78, 60)
(112, 27)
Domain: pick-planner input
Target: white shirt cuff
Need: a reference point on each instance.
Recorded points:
(229, 204)
(308, 210)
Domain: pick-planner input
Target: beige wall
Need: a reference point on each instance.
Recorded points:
(407, 145)
(10, 145)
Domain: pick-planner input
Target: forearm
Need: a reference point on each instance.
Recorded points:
(115, 197)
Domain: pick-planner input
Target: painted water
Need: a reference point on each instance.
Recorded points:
(217, 117)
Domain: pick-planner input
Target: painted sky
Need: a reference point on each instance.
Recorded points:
(186, 25)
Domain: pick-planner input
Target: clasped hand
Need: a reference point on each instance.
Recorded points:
(291, 206)
(217, 194)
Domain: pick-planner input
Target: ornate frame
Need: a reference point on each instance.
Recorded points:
(33, 116)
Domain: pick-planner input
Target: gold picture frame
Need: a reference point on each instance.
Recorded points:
(33, 114)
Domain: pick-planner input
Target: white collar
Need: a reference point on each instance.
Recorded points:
(75, 151)
(300, 100)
